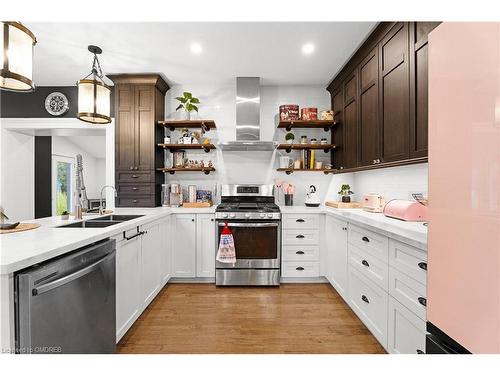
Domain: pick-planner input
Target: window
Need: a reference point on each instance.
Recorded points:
(63, 184)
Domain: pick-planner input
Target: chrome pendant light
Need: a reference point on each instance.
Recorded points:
(16, 62)
(94, 95)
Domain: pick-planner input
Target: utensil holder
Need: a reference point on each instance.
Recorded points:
(288, 199)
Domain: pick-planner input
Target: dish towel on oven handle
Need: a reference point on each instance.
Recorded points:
(227, 251)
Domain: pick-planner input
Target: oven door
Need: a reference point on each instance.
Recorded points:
(257, 244)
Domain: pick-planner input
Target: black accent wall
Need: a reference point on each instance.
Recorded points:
(43, 180)
(32, 104)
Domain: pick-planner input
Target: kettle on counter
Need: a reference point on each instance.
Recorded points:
(312, 199)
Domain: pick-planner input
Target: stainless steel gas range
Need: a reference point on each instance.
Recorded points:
(255, 221)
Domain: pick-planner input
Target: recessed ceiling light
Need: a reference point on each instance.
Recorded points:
(196, 48)
(308, 48)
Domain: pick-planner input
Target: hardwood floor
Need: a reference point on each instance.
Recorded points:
(294, 318)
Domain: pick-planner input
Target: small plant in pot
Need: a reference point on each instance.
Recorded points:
(345, 192)
(188, 104)
(65, 215)
(289, 137)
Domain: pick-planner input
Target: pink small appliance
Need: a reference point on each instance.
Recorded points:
(405, 210)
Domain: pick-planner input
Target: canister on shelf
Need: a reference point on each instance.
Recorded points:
(289, 112)
(309, 114)
(178, 159)
(326, 115)
(192, 193)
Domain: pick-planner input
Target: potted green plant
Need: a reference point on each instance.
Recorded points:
(188, 104)
(289, 137)
(345, 192)
(64, 215)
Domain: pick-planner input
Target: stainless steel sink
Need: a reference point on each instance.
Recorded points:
(116, 218)
(90, 224)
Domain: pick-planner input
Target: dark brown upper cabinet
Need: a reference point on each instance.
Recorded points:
(369, 129)
(350, 122)
(139, 104)
(395, 94)
(383, 115)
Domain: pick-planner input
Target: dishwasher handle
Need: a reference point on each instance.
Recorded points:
(71, 277)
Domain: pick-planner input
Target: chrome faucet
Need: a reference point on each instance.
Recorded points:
(101, 209)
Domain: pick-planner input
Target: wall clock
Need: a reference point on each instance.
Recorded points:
(56, 104)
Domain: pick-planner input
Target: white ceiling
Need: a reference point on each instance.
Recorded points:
(93, 145)
(268, 50)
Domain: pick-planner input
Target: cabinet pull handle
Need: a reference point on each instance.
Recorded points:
(134, 236)
(192, 219)
(366, 239)
(136, 168)
(300, 268)
(365, 298)
(131, 168)
(299, 236)
(422, 301)
(134, 188)
(365, 263)
(300, 252)
(134, 176)
(211, 219)
(299, 220)
(134, 201)
(423, 265)
(420, 351)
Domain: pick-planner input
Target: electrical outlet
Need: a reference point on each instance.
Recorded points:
(410, 196)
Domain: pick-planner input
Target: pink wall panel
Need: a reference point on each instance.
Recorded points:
(464, 140)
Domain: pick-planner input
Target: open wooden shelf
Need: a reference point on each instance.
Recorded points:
(179, 124)
(291, 170)
(205, 170)
(326, 125)
(177, 146)
(297, 146)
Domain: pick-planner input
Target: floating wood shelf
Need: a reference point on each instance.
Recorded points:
(297, 146)
(205, 170)
(179, 124)
(177, 146)
(326, 125)
(291, 170)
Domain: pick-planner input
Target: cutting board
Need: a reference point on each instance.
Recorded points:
(336, 204)
(197, 205)
(20, 228)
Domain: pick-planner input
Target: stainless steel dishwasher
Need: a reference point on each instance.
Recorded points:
(67, 305)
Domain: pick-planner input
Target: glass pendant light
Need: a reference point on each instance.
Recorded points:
(16, 61)
(94, 95)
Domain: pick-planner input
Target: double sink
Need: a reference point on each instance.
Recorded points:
(101, 222)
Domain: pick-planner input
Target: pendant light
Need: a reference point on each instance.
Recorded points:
(93, 94)
(16, 61)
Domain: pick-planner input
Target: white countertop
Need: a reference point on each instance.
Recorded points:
(23, 249)
(412, 233)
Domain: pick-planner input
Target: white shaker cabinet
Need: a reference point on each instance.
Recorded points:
(184, 245)
(205, 245)
(166, 250)
(151, 248)
(336, 254)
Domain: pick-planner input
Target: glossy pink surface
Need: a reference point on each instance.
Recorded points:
(406, 210)
(464, 138)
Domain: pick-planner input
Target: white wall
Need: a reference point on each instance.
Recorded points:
(219, 103)
(94, 178)
(17, 178)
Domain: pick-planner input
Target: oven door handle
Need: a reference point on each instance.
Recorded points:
(250, 225)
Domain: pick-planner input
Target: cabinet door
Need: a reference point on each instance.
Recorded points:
(166, 250)
(336, 242)
(338, 132)
(205, 245)
(419, 87)
(369, 130)
(406, 330)
(144, 127)
(350, 124)
(184, 245)
(150, 262)
(395, 94)
(128, 284)
(124, 127)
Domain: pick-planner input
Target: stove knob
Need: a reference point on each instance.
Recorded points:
(262, 215)
(224, 216)
(270, 216)
(232, 215)
(247, 215)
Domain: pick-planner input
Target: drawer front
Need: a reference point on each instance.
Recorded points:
(135, 177)
(369, 302)
(301, 253)
(300, 269)
(408, 292)
(408, 260)
(370, 266)
(406, 331)
(372, 242)
(301, 237)
(136, 189)
(297, 221)
(142, 201)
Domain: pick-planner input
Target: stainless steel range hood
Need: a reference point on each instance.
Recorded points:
(248, 118)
